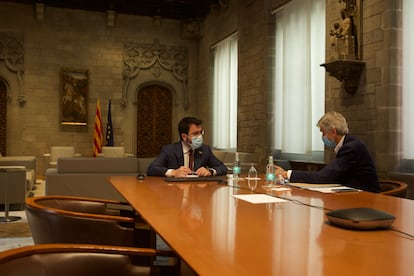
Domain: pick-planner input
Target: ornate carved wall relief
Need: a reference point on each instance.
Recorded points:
(157, 58)
(11, 53)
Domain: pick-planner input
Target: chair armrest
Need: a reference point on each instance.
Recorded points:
(35, 203)
(20, 252)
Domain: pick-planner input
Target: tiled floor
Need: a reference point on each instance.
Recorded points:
(13, 242)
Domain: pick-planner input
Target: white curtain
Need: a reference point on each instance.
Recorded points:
(225, 94)
(408, 80)
(299, 81)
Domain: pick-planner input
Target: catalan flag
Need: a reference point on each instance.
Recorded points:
(97, 132)
(109, 131)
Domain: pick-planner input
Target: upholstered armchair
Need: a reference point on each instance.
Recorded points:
(16, 184)
(67, 219)
(28, 163)
(57, 152)
(114, 152)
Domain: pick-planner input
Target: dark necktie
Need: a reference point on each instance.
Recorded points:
(191, 160)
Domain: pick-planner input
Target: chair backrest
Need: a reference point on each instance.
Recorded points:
(58, 152)
(79, 260)
(143, 163)
(113, 151)
(65, 219)
(393, 188)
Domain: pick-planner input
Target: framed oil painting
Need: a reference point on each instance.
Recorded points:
(74, 97)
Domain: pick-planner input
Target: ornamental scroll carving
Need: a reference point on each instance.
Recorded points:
(155, 57)
(11, 52)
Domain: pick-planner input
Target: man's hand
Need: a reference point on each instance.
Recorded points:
(281, 171)
(182, 172)
(203, 172)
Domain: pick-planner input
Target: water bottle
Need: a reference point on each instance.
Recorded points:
(270, 173)
(236, 167)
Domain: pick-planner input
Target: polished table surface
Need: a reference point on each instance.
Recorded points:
(218, 234)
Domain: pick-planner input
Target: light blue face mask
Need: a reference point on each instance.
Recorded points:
(328, 143)
(196, 142)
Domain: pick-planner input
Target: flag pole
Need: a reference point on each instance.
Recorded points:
(109, 130)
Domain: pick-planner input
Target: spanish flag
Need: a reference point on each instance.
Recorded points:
(97, 132)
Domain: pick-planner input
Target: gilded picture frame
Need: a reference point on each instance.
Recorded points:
(74, 92)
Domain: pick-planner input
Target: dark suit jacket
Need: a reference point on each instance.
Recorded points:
(171, 157)
(353, 167)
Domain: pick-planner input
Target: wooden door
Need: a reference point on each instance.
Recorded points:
(154, 119)
(3, 117)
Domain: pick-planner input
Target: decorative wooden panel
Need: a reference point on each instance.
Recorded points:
(154, 119)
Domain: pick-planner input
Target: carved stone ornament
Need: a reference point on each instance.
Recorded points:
(344, 62)
(156, 58)
(11, 53)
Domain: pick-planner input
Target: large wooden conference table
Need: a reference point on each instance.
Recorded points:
(218, 234)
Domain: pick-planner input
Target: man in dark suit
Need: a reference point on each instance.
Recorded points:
(189, 156)
(353, 165)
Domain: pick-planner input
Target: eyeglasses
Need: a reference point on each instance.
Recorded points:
(196, 134)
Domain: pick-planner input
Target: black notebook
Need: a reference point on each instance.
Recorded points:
(196, 179)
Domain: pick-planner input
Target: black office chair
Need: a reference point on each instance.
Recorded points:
(77, 259)
(393, 188)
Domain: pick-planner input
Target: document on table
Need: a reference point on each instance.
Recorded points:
(259, 198)
(324, 188)
(312, 185)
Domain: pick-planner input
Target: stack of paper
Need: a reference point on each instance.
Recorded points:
(324, 188)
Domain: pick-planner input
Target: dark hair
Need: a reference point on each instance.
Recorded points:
(184, 124)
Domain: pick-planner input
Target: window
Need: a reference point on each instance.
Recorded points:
(299, 81)
(225, 94)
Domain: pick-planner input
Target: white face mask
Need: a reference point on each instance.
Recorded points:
(196, 142)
